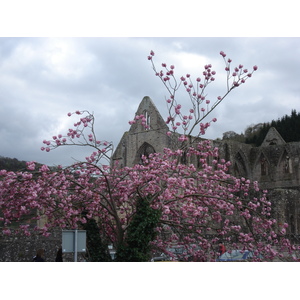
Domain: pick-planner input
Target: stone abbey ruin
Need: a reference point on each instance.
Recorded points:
(275, 164)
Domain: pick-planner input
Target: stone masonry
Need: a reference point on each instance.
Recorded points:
(275, 164)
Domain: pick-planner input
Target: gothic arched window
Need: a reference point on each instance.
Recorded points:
(145, 150)
(148, 119)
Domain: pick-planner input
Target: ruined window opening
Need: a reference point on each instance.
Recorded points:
(263, 166)
(286, 166)
(240, 165)
(145, 150)
(236, 171)
(272, 142)
(183, 158)
(148, 119)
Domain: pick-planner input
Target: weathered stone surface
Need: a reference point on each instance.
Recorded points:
(21, 248)
(275, 164)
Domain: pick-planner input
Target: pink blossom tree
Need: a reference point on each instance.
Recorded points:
(190, 119)
(153, 206)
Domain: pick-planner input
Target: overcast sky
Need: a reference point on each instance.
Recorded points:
(42, 79)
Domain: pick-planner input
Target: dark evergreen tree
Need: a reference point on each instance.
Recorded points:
(140, 233)
(97, 249)
(288, 127)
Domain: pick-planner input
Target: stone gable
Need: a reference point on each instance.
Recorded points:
(273, 138)
(275, 164)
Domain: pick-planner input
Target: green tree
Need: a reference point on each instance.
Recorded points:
(141, 231)
(97, 248)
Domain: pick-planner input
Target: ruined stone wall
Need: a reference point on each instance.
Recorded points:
(21, 248)
(286, 208)
(275, 164)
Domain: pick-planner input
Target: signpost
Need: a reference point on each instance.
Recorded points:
(74, 241)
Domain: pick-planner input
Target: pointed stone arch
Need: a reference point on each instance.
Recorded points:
(284, 165)
(262, 166)
(240, 166)
(145, 150)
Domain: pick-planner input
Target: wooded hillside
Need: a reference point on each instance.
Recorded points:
(287, 126)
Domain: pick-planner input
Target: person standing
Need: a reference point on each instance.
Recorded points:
(222, 249)
(39, 256)
(59, 255)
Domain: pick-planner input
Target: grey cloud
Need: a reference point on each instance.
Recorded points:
(42, 79)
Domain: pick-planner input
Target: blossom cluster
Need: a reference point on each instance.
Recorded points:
(239, 74)
(77, 136)
(201, 203)
(207, 204)
(142, 119)
(201, 105)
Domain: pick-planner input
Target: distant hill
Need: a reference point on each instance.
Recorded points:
(11, 164)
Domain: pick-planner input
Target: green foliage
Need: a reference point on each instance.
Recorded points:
(233, 136)
(140, 232)
(15, 165)
(287, 127)
(97, 249)
(11, 164)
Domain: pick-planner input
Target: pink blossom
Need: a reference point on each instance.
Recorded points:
(30, 165)
(44, 168)
(182, 138)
